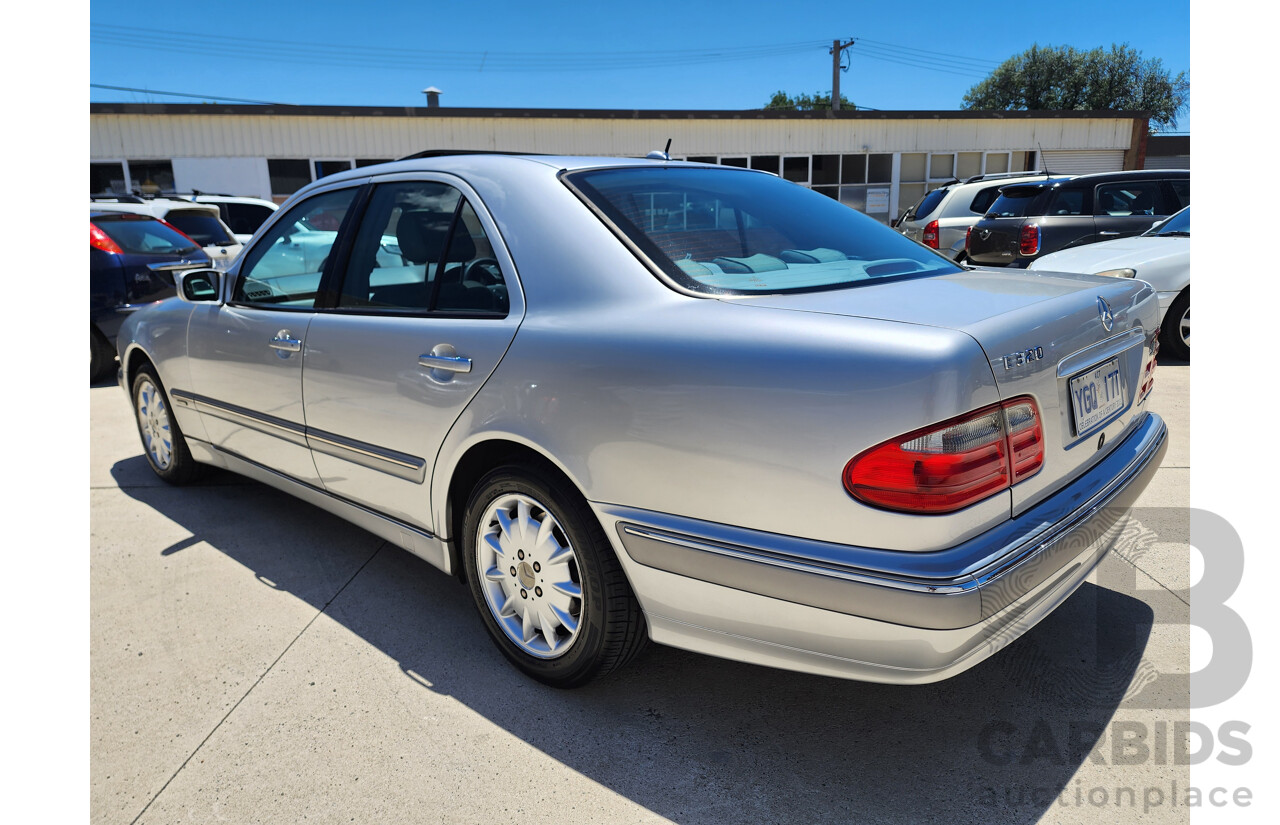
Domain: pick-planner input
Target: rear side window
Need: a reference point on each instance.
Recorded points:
(144, 236)
(982, 201)
(1128, 198)
(1067, 202)
(245, 218)
(1182, 192)
(201, 227)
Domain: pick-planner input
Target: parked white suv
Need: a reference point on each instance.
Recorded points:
(243, 215)
(943, 216)
(198, 221)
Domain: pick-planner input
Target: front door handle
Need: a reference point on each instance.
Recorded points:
(285, 342)
(1107, 234)
(448, 363)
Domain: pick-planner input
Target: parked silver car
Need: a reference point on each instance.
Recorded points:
(640, 399)
(941, 219)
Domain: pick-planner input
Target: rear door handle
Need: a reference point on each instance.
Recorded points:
(285, 342)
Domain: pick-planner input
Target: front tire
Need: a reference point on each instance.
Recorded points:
(1175, 332)
(162, 441)
(545, 579)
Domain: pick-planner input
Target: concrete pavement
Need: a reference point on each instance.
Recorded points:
(254, 659)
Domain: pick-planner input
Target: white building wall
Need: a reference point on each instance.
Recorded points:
(193, 136)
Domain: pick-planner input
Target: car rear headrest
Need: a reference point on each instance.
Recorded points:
(422, 234)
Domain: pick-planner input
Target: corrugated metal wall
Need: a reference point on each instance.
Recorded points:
(138, 136)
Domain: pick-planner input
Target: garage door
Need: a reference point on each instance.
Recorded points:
(1084, 162)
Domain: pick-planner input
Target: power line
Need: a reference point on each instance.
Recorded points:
(183, 94)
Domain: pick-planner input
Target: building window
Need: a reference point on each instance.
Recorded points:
(741, 163)
(288, 175)
(151, 177)
(330, 167)
(105, 178)
(796, 169)
(765, 163)
(362, 162)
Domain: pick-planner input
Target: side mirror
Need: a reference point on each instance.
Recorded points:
(198, 286)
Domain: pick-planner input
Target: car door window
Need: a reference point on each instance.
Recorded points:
(1066, 202)
(1128, 198)
(421, 248)
(1182, 191)
(285, 266)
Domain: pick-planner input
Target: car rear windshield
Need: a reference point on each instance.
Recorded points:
(1014, 202)
(201, 227)
(727, 231)
(927, 204)
(140, 235)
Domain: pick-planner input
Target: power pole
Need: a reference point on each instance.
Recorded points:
(837, 51)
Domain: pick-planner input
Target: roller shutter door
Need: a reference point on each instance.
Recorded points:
(1084, 162)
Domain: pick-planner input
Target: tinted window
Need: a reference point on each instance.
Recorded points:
(1182, 191)
(927, 204)
(245, 218)
(1127, 198)
(201, 227)
(719, 231)
(285, 265)
(1014, 202)
(145, 236)
(983, 200)
(1067, 202)
(288, 175)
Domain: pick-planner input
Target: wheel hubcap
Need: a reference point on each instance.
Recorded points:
(529, 575)
(153, 422)
(1184, 327)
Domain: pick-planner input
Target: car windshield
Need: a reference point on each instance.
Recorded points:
(724, 231)
(141, 235)
(201, 227)
(1178, 226)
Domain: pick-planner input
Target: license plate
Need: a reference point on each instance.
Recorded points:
(1096, 395)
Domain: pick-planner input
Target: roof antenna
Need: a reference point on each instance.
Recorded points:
(1044, 163)
(663, 155)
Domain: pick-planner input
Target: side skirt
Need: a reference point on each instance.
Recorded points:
(421, 543)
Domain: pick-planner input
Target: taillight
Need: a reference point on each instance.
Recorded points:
(953, 464)
(1029, 240)
(99, 240)
(931, 234)
(968, 233)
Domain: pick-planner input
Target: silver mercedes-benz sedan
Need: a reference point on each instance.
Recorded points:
(627, 400)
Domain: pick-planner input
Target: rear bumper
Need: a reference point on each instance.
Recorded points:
(874, 614)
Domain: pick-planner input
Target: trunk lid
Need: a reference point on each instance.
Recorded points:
(1039, 332)
(994, 241)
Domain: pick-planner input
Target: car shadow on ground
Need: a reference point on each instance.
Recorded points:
(697, 739)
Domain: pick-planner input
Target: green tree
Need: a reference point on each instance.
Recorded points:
(806, 103)
(1063, 77)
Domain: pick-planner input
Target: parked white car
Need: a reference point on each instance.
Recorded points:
(200, 222)
(1161, 256)
(242, 215)
(941, 219)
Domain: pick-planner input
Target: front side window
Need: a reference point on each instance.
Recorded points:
(421, 248)
(284, 267)
(720, 231)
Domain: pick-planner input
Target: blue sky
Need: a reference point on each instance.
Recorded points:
(595, 55)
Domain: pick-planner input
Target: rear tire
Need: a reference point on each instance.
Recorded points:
(545, 579)
(1175, 332)
(163, 444)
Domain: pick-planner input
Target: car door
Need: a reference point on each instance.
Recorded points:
(427, 307)
(246, 356)
(1125, 208)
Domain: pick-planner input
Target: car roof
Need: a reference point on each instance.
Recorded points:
(103, 213)
(494, 161)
